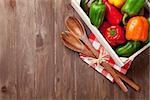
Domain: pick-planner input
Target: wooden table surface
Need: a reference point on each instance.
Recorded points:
(35, 65)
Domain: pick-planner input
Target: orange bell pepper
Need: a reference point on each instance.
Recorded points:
(137, 29)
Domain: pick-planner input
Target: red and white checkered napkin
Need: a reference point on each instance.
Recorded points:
(106, 56)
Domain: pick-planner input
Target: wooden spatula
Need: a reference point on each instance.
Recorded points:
(74, 44)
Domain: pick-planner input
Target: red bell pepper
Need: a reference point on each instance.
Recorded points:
(104, 27)
(113, 16)
(114, 35)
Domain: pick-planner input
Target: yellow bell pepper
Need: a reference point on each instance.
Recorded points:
(117, 3)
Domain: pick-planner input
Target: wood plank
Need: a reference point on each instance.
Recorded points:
(8, 61)
(64, 58)
(25, 24)
(44, 71)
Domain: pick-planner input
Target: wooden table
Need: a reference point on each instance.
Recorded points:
(35, 65)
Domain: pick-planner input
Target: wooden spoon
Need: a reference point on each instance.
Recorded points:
(75, 44)
(75, 26)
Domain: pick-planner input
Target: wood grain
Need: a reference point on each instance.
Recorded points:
(34, 64)
(8, 52)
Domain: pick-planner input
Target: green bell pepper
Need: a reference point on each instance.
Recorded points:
(128, 49)
(148, 31)
(131, 8)
(97, 12)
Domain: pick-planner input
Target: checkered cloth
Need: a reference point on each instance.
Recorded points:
(100, 69)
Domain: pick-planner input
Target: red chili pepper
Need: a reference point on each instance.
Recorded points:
(115, 35)
(113, 16)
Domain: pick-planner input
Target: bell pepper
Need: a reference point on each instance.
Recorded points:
(97, 12)
(104, 27)
(137, 29)
(128, 49)
(113, 16)
(85, 5)
(114, 35)
(147, 40)
(117, 3)
(131, 8)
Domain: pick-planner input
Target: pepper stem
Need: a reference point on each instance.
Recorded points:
(124, 18)
(112, 32)
(99, 0)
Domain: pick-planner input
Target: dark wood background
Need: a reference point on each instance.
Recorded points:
(34, 65)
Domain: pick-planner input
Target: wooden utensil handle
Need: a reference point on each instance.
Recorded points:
(128, 81)
(115, 76)
(87, 52)
(89, 44)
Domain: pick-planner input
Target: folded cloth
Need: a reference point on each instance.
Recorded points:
(104, 56)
